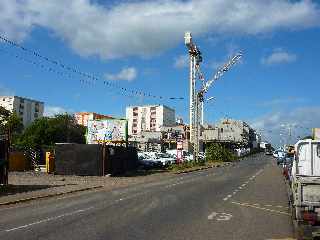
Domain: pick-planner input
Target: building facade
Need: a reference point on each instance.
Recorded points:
(229, 130)
(27, 109)
(149, 118)
(82, 118)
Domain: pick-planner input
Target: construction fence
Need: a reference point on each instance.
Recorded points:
(94, 159)
(4, 163)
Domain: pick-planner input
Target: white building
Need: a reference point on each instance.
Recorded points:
(149, 118)
(27, 109)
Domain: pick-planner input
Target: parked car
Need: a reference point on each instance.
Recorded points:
(268, 152)
(275, 153)
(165, 159)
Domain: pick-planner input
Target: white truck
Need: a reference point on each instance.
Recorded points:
(305, 184)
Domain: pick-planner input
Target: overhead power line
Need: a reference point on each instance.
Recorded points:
(92, 79)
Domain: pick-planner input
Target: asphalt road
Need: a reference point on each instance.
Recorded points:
(244, 201)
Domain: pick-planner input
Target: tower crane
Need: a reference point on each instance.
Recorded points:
(197, 98)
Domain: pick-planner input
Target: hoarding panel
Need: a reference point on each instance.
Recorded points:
(107, 130)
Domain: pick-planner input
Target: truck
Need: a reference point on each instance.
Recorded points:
(305, 186)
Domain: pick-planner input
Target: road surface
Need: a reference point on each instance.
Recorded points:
(244, 201)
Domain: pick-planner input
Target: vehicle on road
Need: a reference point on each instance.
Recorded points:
(281, 156)
(268, 152)
(305, 186)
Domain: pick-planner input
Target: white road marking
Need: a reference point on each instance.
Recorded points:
(225, 199)
(212, 215)
(49, 219)
(261, 208)
(219, 216)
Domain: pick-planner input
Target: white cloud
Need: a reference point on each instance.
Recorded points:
(279, 56)
(181, 61)
(282, 101)
(50, 111)
(133, 28)
(127, 74)
(300, 119)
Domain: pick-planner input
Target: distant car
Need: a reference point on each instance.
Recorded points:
(268, 152)
(275, 154)
(281, 159)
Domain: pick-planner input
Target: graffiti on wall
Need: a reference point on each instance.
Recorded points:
(106, 130)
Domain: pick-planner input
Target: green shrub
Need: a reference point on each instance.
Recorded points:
(217, 152)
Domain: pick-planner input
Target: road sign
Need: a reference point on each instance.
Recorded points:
(179, 156)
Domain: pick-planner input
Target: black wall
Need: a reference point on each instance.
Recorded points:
(90, 159)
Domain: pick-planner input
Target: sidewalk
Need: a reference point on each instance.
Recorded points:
(26, 186)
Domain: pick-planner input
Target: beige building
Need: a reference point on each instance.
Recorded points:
(82, 118)
(229, 130)
(149, 118)
(28, 109)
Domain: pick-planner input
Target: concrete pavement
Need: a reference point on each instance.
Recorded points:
(244, 201)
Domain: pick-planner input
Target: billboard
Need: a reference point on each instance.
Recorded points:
(107, 130)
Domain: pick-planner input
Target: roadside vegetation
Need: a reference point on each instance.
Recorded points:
(216, 155)
(43, 132)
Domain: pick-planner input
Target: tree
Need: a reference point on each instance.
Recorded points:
(10, 123)
(48, 131)
(217, 152)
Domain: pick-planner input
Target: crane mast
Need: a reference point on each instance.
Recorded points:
(196, 111)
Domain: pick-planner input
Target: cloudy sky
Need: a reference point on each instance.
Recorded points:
(104, 55)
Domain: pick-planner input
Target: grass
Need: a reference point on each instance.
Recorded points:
(189, 166)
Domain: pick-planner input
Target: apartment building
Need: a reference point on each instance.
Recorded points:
(229, 130)
(82, 118)
(28, 109)
(149, 118)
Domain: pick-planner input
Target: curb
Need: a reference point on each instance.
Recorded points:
(47, 196)
(203, 168)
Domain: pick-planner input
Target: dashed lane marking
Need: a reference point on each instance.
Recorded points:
(261, 208)
(49, 219)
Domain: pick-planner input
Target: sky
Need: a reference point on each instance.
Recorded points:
(120, 52)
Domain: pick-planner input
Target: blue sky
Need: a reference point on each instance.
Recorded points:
(139, 45)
